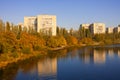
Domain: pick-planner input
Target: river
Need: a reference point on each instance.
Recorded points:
(86, 63)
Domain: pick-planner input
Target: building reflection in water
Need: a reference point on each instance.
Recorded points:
(111, 53)
(118, 53)
(91, 55)
(47, 69)
(87, 57)
(99, 56)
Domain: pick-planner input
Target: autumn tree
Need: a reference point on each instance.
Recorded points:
(1, 26)
(71, 31)
(56, 41)
(7, 26)
(8, 43)
(58, 30)
(99, 37)
(71, 40)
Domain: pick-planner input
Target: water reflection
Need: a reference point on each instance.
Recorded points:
(118, 53)
(98, 55)
(111, 52)
(46, 67)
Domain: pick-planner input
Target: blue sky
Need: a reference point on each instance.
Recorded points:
(70, 13)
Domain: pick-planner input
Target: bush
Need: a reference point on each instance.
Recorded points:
(4, 57)
(99, 37)
(86, 41)
(26, 50)
(37, 48)
(14, 55)
(108, 41)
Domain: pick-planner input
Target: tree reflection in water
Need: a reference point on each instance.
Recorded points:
(46, 65)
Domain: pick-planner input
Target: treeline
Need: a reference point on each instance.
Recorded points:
(15, 40)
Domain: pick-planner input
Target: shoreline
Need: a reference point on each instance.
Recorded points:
(21, 58)
(43, 52)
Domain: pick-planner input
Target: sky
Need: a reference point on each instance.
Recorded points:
(70, 13)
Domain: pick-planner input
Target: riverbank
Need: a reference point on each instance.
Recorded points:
(6, 59)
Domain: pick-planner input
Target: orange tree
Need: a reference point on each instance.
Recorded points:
(71, 40)
(30, 42)
(56, 41)
(7, 42)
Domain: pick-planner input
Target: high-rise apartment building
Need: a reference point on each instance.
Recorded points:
(97, 28)
(30, 22)
(46, 23)
(42, 23)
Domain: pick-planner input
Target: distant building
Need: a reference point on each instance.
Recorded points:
(30, 22)
(85, 26)
(44, 23)
(116, 29)
(97, 28)
(110, 30)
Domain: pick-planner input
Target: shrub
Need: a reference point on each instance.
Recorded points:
(37, 48)
(14, 55)
(108, 41)
(26, 50)
(4, 57)
(86, 41)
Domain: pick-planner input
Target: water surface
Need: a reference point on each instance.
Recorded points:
(86, 63)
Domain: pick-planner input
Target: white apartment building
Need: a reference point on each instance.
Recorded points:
(46, 23)
(117, 29)
(110, 30)
(97, 28)
(42, 23)
(30, 22)
(85, 26)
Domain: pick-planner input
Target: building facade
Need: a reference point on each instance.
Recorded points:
(30, 23)
(97, 28)
(41, 23)
(110, 30)
(117, 29)
(85, 26)
(47, 24)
